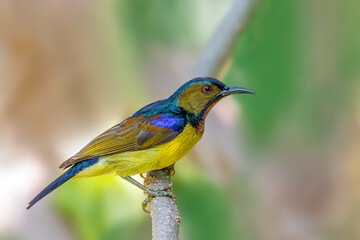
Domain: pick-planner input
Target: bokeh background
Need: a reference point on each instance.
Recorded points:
(280, 165)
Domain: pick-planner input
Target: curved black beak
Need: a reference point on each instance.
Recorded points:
(234, 90)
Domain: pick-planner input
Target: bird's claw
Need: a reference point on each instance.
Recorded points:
(167, 192)
(170, 170)
(145, 204)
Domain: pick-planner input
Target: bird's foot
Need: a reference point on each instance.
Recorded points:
(170, 170)
(167, 192)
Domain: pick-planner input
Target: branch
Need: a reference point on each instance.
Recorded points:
(164, 213)
(217, 51)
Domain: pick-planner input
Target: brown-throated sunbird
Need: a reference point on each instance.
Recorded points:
(155, 137)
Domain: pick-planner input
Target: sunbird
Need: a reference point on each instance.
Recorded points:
(153, 138)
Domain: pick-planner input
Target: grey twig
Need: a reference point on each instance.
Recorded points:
(164, 213)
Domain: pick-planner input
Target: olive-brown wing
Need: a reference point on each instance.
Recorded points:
(124, 137)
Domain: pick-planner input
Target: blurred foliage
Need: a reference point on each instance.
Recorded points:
(264, 59)
(275, 58)
(207, 213)
(100, 209)
(156, 22)
(204, 205)
(348, 44)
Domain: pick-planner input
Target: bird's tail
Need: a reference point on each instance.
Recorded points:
(62, 179)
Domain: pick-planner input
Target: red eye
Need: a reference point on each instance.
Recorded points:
(207, 89)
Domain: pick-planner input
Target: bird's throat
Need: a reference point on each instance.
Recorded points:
(198, 120)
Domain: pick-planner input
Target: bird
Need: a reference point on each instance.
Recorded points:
(154, 137)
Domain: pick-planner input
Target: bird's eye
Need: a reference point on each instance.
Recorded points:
(207, 89)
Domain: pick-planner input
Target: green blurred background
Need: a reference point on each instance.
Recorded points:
(280, 165)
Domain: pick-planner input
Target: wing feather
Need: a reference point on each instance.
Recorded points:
(131, 135)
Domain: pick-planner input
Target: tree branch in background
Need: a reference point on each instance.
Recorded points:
(217, 51)
(164, 213)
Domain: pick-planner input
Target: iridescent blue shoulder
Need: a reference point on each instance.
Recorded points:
(162, 114)
(161, 120)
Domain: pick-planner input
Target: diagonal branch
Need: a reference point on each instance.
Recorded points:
(217, 51)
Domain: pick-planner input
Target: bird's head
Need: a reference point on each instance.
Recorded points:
(199, 95)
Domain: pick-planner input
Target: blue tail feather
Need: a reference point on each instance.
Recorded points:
(62, 179)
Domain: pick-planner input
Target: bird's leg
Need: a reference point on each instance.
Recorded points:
(151, 193)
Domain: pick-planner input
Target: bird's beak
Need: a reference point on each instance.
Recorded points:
(234, 90)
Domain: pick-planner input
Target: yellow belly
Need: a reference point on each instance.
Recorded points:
(130, 163)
